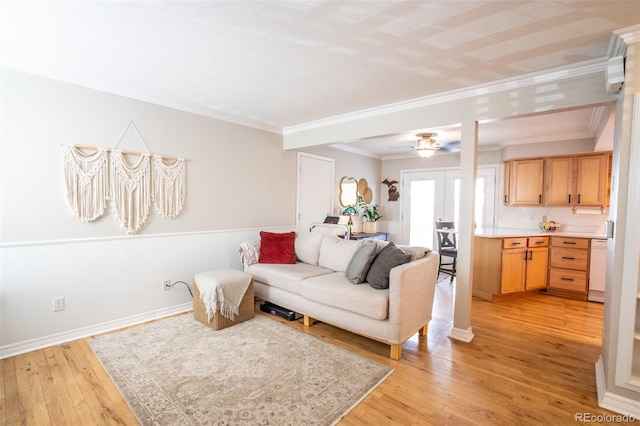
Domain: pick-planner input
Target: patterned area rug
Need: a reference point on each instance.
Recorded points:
(178, 371)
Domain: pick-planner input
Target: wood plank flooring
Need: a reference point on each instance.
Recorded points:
(531, 362)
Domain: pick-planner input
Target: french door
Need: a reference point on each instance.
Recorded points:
(433, 195)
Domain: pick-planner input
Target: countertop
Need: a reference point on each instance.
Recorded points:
(509, 232)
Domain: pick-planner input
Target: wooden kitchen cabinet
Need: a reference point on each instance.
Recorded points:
(560, 181)
(526, 182)
(592, 180)
(507, 183)
(509, 267)
(537, 268)
(568, 180)
(569, 267)
(581, 180)
(514, 265)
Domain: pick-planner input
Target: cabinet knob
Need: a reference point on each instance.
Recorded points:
(568, 257)
(566, 279)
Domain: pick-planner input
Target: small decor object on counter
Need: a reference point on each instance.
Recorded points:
(549, 226)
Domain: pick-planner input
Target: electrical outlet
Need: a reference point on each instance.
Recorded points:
(532, 218)
(58, 304)
(166, 285)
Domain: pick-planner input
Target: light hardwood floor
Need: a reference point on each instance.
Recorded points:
(531, 362)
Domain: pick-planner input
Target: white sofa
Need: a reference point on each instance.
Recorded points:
(317, 287)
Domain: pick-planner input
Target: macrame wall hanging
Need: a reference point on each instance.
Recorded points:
(86, 177)
(93, 179)
(169, 186)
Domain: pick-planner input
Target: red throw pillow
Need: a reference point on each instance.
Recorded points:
(277, 247)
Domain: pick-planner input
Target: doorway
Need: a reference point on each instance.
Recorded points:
(435, 194)
(315, 190)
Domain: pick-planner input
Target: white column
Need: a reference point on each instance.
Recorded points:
(464, 280)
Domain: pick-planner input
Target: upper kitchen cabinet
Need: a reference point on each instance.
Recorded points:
(526, 182)
(581, 180)
(560, 183)
(593, 180)
(568, 180)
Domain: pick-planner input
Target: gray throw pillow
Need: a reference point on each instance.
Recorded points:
(359, 264)
(390, 257)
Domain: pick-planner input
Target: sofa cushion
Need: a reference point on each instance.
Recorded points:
(307, 247)
(337, 291)
(285, 276)
(416, 252)
(390, 257)
(277, 247)
(335, 252)
(359, 264)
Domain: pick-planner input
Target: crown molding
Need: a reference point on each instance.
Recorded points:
(576, 70)
(621, 38)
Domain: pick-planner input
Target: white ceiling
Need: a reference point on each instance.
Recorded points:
(278, 64)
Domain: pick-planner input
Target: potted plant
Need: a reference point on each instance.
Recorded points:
(370, 215)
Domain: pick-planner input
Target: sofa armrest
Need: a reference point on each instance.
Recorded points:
(249, 253)
(411, 293)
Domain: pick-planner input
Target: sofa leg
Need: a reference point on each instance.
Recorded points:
(396, 352)
(308, 321)
(424, 329)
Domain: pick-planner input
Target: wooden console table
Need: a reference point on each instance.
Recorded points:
(363, 236)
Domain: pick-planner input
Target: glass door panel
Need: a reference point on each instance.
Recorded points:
(435, 195)
(422, 207)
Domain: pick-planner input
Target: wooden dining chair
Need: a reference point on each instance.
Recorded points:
(447, 247)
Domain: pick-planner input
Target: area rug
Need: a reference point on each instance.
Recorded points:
(180, 372)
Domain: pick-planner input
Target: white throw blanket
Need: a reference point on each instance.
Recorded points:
(222, 290)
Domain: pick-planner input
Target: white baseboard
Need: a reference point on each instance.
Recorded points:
(80, 333)
(611, 401)
(462, 335)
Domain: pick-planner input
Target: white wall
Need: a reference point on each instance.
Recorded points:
(226, 163)
(353, 165)
(106, 283)
(239, 180)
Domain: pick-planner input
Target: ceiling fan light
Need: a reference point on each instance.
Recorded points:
(426, 146)
(426, 152)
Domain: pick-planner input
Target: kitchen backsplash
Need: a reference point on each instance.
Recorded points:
(584, 220)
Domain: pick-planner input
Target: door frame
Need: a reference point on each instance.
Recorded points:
(331, 183)
(447, 211)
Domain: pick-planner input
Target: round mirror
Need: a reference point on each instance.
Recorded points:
(348, 192)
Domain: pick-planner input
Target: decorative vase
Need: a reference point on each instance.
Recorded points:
(370, 227)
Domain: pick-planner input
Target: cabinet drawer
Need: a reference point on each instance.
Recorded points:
(569, 258)
(537, 241)
(568, 280)
(509, 243)
(578, 243)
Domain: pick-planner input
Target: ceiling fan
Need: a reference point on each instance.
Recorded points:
(427, 146)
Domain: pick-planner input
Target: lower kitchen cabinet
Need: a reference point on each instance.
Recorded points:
(508, 267)
(569, 267)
